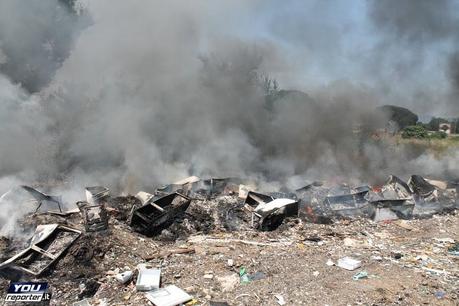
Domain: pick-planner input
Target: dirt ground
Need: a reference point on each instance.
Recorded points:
(407, 262)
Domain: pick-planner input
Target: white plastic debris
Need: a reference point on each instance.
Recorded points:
(280, 299)
(266, 208)
(124, 277)
(148, 279)
(441, 240)
(330, 263)
(230, 262)
(168, 296)
(349, 263)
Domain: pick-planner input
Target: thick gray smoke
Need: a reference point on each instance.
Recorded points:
(453, 72)
(35, 38)
(152, 92)
(414, 33)
(145, 101)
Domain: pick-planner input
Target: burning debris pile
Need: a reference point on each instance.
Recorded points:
(78, 244)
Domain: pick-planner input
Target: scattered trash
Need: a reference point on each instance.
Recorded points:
(185, 186)
(148, 279)
(360, 275)
(349, 263)
(247, 278)
(244, 190)
(96, 195)
(95, 216)
(196, 214)
(435, 271)
(168, 296)
(454, 250)
(244, 276)
(348, 202)
(208, 276)
(280, 299)
(124, 277)
(269, 212)
(257, 276)
(330, 263)
(192, 302)
(157, 214)
(444, 240)
(144, 197)
(84, 302)
(397, 255)
(41, 197)
(88, 288)
(440, 294)
(48, 244)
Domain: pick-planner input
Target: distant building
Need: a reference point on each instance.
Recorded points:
(445, 127)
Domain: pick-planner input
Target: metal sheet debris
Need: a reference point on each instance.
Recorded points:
(268, 216)
(157, 214)
(184, 186)
(244, 190)
(97, 194)
(168, 296)
(95, 216)
(144, 197)
(42, 198)
(269, 211)
(49, 243)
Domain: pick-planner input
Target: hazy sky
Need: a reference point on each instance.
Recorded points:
(399, 49)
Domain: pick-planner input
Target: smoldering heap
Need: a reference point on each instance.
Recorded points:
(193, 208)
(226, 203)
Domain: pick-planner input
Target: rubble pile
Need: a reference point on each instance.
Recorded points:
(205, 242)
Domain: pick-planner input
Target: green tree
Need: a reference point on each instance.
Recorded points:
(403, 117)
(415, 131)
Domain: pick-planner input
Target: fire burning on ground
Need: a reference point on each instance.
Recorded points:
(297, 179)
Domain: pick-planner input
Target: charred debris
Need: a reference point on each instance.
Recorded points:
(187, 204)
